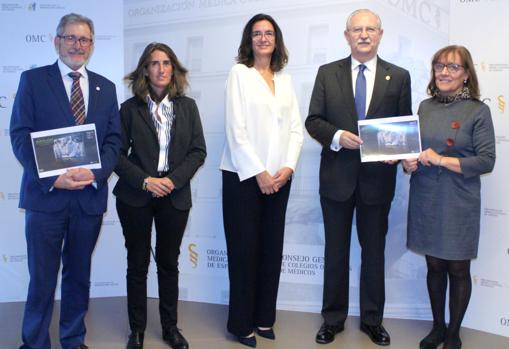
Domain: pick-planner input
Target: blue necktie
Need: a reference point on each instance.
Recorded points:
(360, 93)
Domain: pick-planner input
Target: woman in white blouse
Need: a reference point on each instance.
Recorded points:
(263, 142)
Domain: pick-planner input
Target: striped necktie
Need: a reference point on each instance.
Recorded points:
(77, 101)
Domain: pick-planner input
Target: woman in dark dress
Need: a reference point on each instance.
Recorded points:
(163, 146)
(444, 205)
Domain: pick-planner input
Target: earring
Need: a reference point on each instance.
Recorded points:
(465, 82)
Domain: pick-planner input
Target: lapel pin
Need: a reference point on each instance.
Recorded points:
(387, 77)
(97, 88)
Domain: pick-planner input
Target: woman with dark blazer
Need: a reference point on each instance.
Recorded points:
(445, 189)
(163, 147)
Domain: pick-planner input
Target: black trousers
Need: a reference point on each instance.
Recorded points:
(170, 224)
(254, 227)
(372, 224)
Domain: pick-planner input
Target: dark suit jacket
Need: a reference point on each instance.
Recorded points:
(140, 151)
(42, 104)
(332, 107)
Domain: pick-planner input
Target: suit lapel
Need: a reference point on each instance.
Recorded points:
(94, 89)
(344, 78)
(57, 87)
(382, 80)
(147, 119)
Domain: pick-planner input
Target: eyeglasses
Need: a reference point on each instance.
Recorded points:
(451, 67)
(359, 30)
(269, 35)
(71, 40)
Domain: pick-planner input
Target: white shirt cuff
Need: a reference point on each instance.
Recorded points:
(335, 146)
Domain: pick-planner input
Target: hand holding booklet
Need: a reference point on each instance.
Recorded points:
(392, 138)
(61, 149)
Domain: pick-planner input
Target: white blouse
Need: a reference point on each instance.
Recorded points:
(263, 131)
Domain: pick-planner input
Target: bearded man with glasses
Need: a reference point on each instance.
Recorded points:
(63, 213)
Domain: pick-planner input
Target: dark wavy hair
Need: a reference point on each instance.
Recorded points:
(245, 54)
(467, 63)
(139, 82)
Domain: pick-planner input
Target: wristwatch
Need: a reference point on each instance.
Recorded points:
(145, 183)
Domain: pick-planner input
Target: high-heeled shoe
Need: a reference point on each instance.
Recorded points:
(248, 341)
(453, 342)
(268, 333)
(434, 338)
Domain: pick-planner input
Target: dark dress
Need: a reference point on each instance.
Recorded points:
(444, 206)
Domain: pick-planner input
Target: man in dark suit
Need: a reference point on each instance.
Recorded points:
(359, 86)
(63, 213)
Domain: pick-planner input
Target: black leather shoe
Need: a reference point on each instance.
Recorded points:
(175, 339)
(326, 333)
(81, 346)
(376, 333)
(135, 340)
(269, 334)
(248, 341)
(434, 338)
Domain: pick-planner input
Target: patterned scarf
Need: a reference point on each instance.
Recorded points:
(461, 95)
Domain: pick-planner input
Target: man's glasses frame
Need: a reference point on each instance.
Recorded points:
(71, 40)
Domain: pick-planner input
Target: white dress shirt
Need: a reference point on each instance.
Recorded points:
(369, 74)
(162, 116)
(65, 70)
(263, 130)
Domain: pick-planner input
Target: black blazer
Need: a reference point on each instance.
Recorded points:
(332, 107)
(140, 151)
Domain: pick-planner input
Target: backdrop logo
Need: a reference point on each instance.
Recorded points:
(2, 195)
(32, 6)
(5, 258)
(501, 103)
(3, 101)
(193, 255)
(504, 321)
(427, 12)
(38, 38)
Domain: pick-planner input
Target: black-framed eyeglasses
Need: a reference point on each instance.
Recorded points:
(71, 40)
(451, 67)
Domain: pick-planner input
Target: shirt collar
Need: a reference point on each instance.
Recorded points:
(370, 65)
(166, 101)
(65, 70)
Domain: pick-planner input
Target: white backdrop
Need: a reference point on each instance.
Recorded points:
(28, 29)
(489, 308)
(205, 35)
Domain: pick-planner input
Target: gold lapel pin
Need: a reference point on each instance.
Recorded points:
(387, 77)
